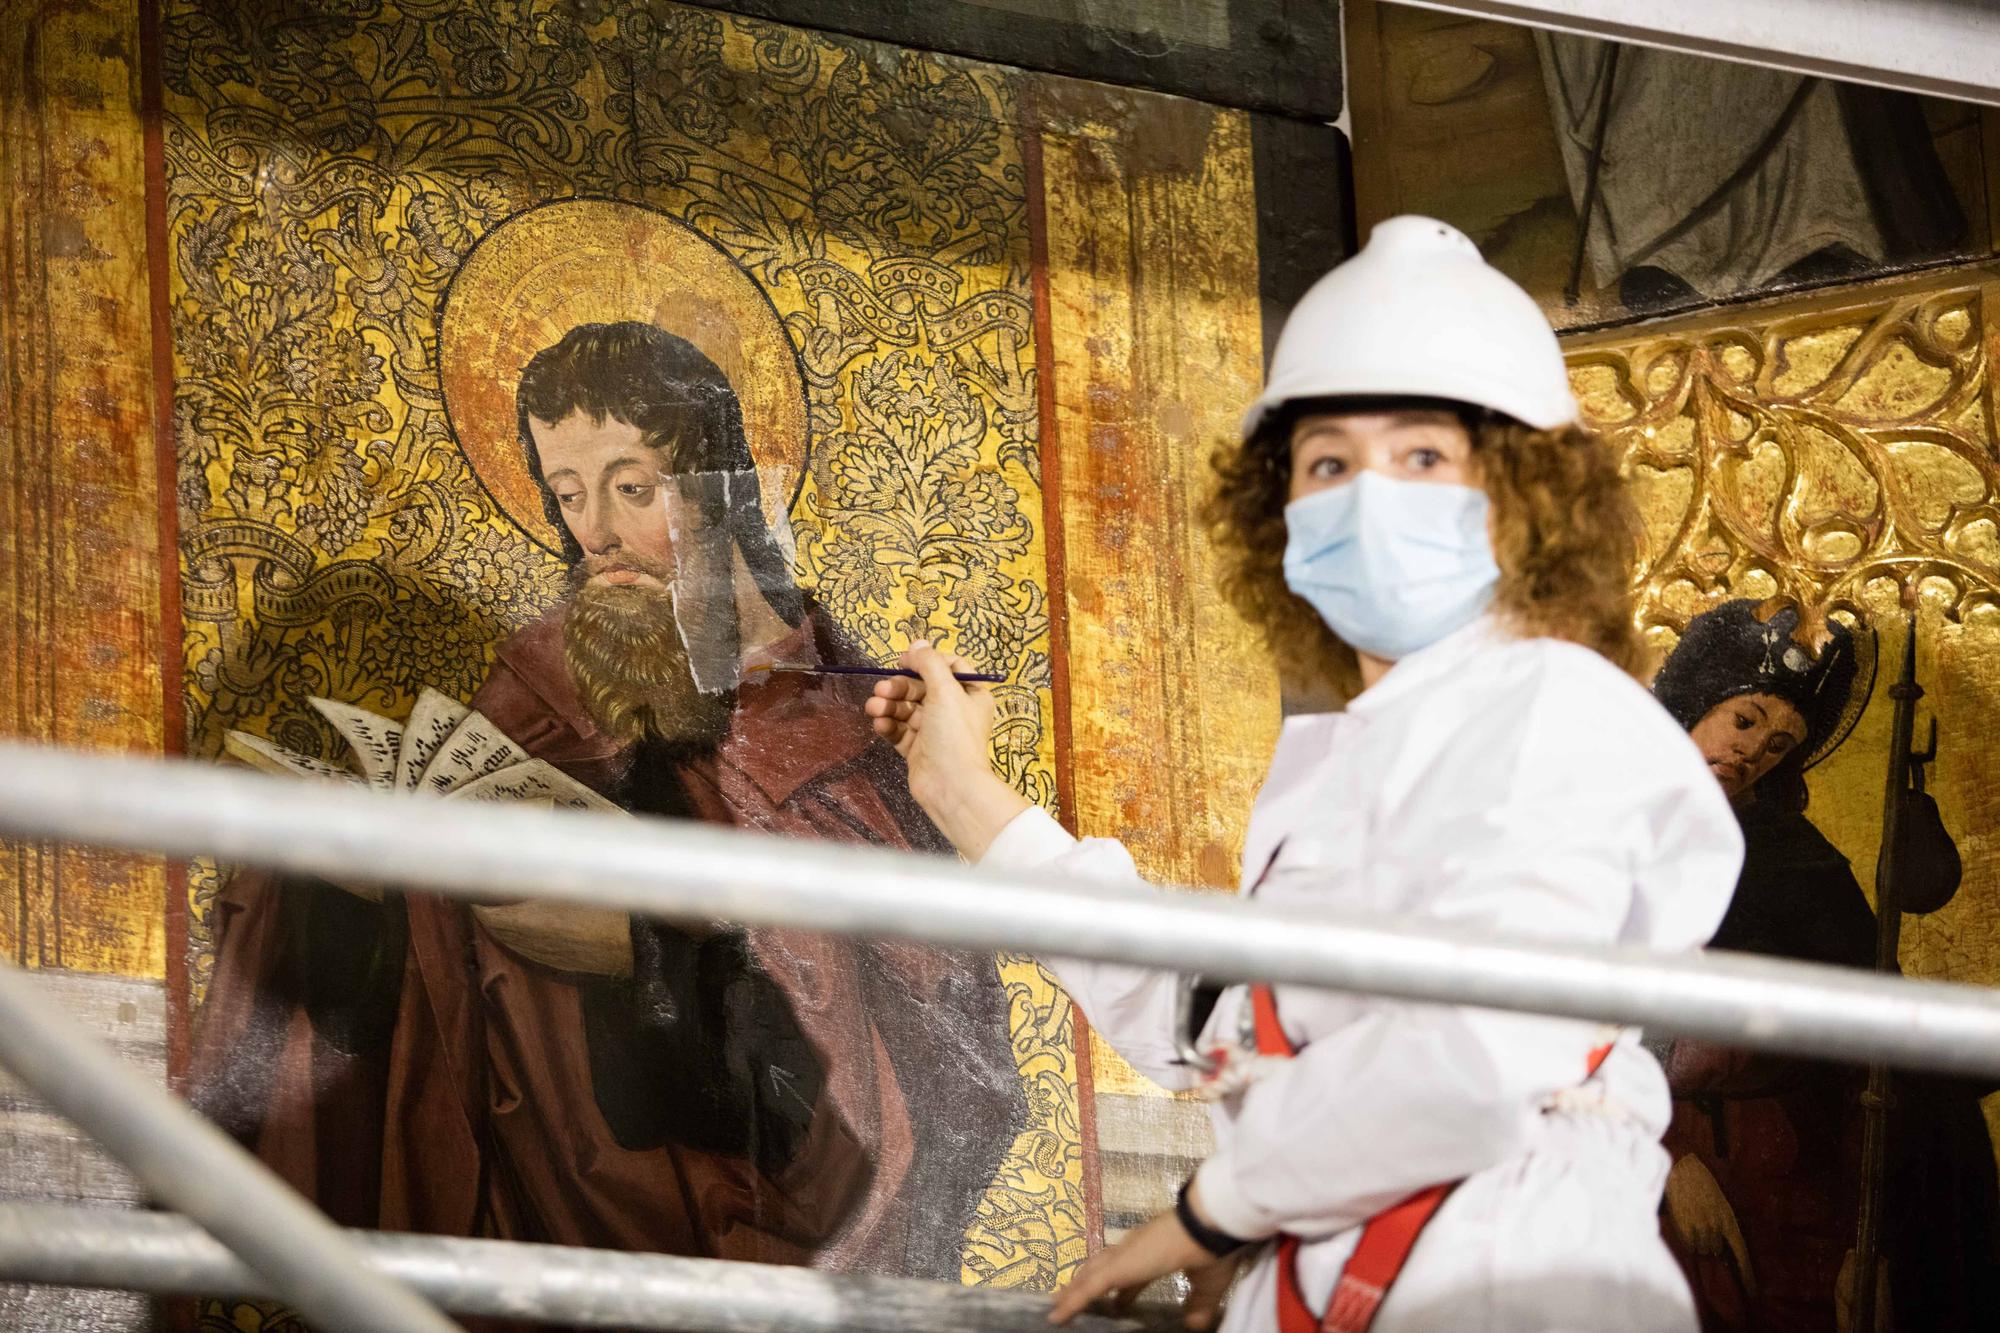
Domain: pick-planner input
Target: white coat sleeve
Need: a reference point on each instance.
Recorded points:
(1130, 1007)
(1537, 837)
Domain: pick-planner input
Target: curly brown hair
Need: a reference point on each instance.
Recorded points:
(1565, 535)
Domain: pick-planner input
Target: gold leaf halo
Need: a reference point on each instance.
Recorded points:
(550, 268)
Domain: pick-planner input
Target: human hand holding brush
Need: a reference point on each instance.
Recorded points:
(938, 713)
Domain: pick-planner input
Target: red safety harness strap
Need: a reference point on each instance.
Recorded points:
(1386, 1239)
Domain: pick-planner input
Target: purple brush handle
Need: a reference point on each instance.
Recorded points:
(983, 678)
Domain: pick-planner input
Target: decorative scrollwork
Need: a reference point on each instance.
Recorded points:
(1833, 457)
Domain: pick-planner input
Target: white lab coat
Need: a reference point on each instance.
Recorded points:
(1522, 787)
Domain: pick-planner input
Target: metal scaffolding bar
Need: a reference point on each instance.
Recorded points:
(65, 1245)
(677, 869)
(187, 1162)
(1940, 48)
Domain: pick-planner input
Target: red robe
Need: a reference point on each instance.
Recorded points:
(766, 1095)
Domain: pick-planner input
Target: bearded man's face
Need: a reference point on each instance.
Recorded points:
(624, 646)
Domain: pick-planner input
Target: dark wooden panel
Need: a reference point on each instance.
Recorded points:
(1305, 211)
(1278, 56)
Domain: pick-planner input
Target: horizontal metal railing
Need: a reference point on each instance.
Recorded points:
(72, 1246)
(674, 869)
(679, 870)
(188, 1163)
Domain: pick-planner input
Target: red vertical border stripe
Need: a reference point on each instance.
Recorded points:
(173, 711)
(1049, 437)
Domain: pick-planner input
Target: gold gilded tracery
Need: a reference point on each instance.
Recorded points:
(1836, 456)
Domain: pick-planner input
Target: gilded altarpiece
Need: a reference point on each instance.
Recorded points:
(939, 279)
(327, 179)
(1836, 454)
(1840, 452)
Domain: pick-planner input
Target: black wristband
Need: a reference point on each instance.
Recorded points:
(1218, 1243)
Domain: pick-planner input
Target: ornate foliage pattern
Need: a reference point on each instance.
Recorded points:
(329, 168)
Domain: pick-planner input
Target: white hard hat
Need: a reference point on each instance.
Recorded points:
(1418, 313)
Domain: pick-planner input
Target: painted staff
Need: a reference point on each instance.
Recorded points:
(1906, 811)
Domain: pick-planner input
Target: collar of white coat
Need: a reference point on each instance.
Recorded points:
(1426, 666)
(1305, 738)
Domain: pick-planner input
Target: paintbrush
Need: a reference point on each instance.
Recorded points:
(976, 677)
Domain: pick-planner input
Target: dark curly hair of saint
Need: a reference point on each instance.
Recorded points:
(1565, 535)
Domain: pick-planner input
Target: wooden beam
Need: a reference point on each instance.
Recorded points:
(1275, 56)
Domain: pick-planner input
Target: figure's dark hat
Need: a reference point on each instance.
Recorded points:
(1744, 647)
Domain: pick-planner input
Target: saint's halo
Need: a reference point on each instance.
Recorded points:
(598, 261)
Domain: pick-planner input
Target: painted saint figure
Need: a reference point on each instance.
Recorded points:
(1763, 1197)
(549, 1073)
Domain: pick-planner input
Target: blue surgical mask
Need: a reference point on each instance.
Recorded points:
(1391, 566)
